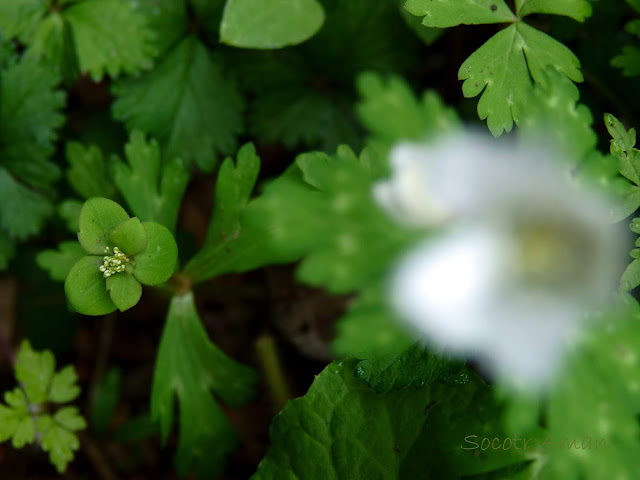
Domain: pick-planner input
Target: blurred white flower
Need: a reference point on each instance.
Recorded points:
(523, 255)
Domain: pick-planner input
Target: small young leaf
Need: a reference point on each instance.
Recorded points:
(154, 195)
(86, 289)
(130, 236)
(35, 370)
(16, 418)
(158, 261)
(59, 262)
(69, 210)
(270, 23)
(88, 173)
(233, 189)
(125, 291)
(98, 217)
(58, 437)
(63, 386)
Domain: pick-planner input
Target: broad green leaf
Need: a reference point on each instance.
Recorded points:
(30, 112)
(105, 401)
(53, 42)
(449, 13)
(576, 9)
(392, 112)
(121, 44)
(270, 23)
(59, 262)
(59, 438)
(233, 189)
(414, 367)
(159, 260)
(98, 217)
(130, 236)
(34, 370)
(70, 210)
(186, 103)
(63, 386)
(125, 291)
(631, 276)
(20, 18)
(503, 67)
(86, 288)
(343, 429)
(22, 211)
(190, 367)
(168, 20)
(152, 191)
(88, 173)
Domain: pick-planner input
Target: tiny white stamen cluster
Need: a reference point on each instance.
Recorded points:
(114, 263)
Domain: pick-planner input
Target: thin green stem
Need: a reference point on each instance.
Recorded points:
(268, 355)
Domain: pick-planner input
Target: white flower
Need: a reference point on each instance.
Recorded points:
(524, 255)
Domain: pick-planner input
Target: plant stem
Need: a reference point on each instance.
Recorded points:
(268, 355)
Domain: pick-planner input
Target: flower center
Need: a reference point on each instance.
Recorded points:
(115, 263)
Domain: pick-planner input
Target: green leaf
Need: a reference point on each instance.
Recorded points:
(130, 236)
(70, 210)
(153, 193)
(59, 262)
(426, 34)
(414, 367)
(186, 103)
(270, 23)
(159, 260)
(628, 60)
(34, 370)
(233, 189)
(98, 217)
(449, 13)
(20, 18)
(551, 109)
(343, 429)
(125, 291)
(53, 43)
(58, 438)
(121, 44)
(391, 112)
(332, 226)
(189, 366)
(622, 140)
(7, 250)
(22, 211)
(86, 288)
(631, 276)
(576, 9)
(369, 330)
(30, 113)
(105, 401)
(63, 386)
(88, 173)
(503, 67)
(168, 20)
(16, 420)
